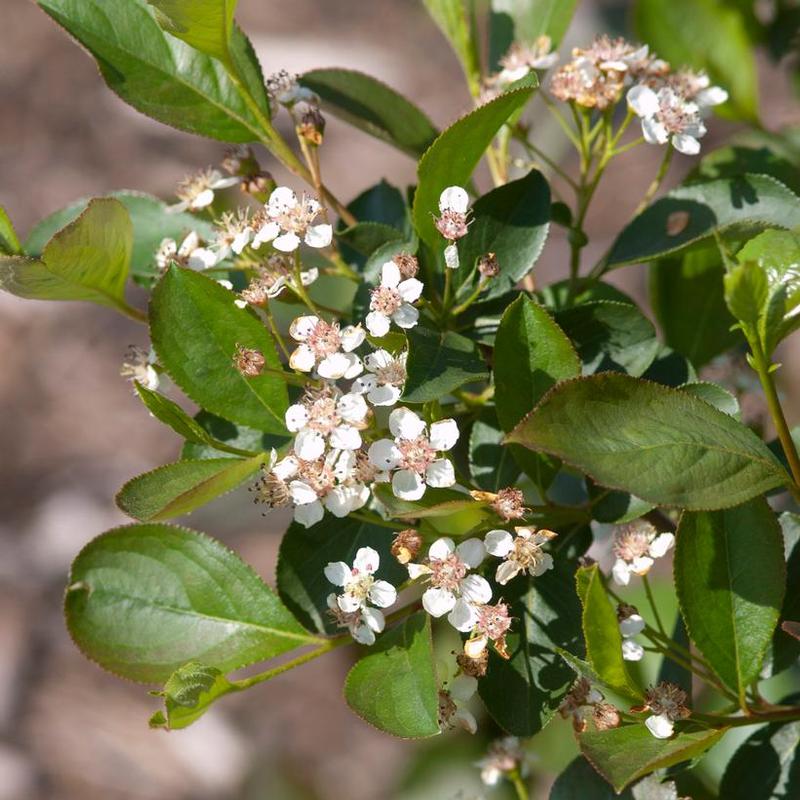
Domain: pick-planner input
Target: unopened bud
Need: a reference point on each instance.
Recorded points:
(488, 266)
(249, 362)
(406, 545)
(312, 126)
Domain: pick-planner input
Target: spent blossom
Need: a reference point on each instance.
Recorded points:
(248, 362)
(391, 301)
(272, 277)
(492, 622)
(286, 221)
(452, 590)
(666, 116)
(580, 700)
(667, 702)
(326, 347)
(453, 222)
(385, 376)
(196, 192)
(234, 233)
(508, 504)
(412, 457)
(636, 546)
(406, 545)
(520, 553)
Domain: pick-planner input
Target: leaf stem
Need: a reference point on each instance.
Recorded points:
(374, 519)
(298, 287)
(754, 718)
(518, 784)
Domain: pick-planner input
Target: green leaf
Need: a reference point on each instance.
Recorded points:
(305, 552)
(663, 445)
(434, 503)
(455, 20)
(143, 600)
(179, 488)
(451, 159)
(206, 25)
(366, 237)
(786, 649)
(523, 693)
(766, 766)
(670, 369)
(714, 395)
(601, 634)
(393, 686)
(438, 362)
(610, 337)
(373, 107)
(195, 328)
(671, 671)
(152, 223)
(746, 294)
(188, 693)
(616, 507)
(709, 35)
(694, 212)
(511, 221)
(229, 439)
(687, 297)
(89, 260)
(579, 781)
(622, 755)
(9, 242)
(162, 76)
(730, 577)
(491, 464)
(759, 157)
(533, 18)
(171, 414)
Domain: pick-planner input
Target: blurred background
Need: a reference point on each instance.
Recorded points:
(71, 431)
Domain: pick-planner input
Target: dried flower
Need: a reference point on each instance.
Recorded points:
(452, 704)
(248, 361)
(477, 666)
(407, 264)
(667, 702)
(509, 503)
(520, 553)
(312, 126)
(574, 705)
(491, 625)
(406, 545)
(606, 716)
(488, 266)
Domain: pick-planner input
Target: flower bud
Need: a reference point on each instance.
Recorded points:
(488, 266)
(249, 362)
(407, 264)
(312, 126)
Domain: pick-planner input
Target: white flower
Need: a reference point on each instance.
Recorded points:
(288, 221)
(631, 624)
(636, 547)
(452, 590)
(190, 254)
(412, 456)
(234, 233)
(284, 88)
(272, 278)
(696, 86)
(391, 301)
(324, 346)
(453, 711)
(359, 587)
(667, 117)
(667, 702)
(521, 553)
(138, 366)
(504, 755)
(521, 59)
(327, 418)
(383, 383)
(363, 623)
(197, 191)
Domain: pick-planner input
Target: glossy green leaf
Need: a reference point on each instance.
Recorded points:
(195, 328)
(663, 445)
(373, 107)
(523, 693)
(692, 213)
(89, 259)
(382, 203)
(767, 764)
(366, 237)
(557, 296)
(143, 600)
(9, 241)
(451, 159)
(714, 395)
(687, 297)
(305, 552)
(530, 19)
(610, 337)
(743, 155)
(393, 686)
(579, 781)
(152, 223)
(206, 25)
(455, 20)
(746, 294)
(616, 507)
(708, 35)
(622, 755)
(730, 578)
(188, 693)
(179, 488)
(438, 362)
(491, 464)
(511, 221)
(601, 634)
(236, 439)
(785, 648)
(163, 77)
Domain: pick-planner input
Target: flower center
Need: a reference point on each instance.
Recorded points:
(526, 553)
(318, 475)
(359, 586)
(452, 225)
(447, 573)
(631, 544)
(385, 300)
(393, 374)
(674, 116)
(494, 620)
(416, 454)
(297, 218)
(324, 339)
(322, 415)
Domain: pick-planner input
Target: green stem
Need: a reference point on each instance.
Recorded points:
(719, 721)
(544, 158)
(518, 784)
(275, 332)
(130, 312)
(374, 519)
(298, 287)
(657, 181)
(652, 601)
(460, 309)
(269, 674)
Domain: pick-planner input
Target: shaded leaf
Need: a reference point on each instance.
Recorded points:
(239, 438)
(785, 644)
(491, 464)
(579, 781)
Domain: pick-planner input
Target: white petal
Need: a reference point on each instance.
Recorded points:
(545, 563)
(202, 200)
(643, 101)
(309, 445)
(406, 316)
(202, 258)
(474, 647)
(390, 275)
(454, 198)
(463, 688)
(286, 242)
(410, 289)
(438, 602)
(345, 437)
(476, 589)
(451, 260)
(444, 434)
(354, 368)
(631, 651)
(318, 235)
(654, 132)
(241, 240)
(302, 494)
(334, 366)
(373, 618)
(466, 720)
(507, 571)
(367, 560)
(713, 96)
(463, 617)
(352, 407)
(308, 276)
(641, 565)
(382, 594)
(661, 544)
(224, 183)
(266, 233)
(631, 626)
(364, 384)
(621, 572)
(363, 633)
(351, 337)
(302, 327)
(418, 570)
(286, 468)
(338, 501)
(338, 573)
(296, 418)
(377, 324)
(471, 552)
(348, 602)
(441, 548)
(660, 726)
(490, 775)
(302, 359)
(405, 424)
(309, 514)
(440, 474)
(281, 199)
(384, 454)
(686, 144)
(407, 485)
(378, 359)
(384, 395)
(499, 543)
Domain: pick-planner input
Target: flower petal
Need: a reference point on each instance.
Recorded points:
(444, 434)
(451, 259)
(471, 552)
(405, 424)
(621, 572)
(631, 626)
(643, 101)
(352, 408)
(441, 548)
(438, 602)
(351, 337)
(632, 651)
(384, 454)
(318, 235)
(463, 617)
(686, 144)
(282, 199)
(309, 445)
(463, 688)
(377, 324)
(507, 571)
(653, 131)
(382, 594)
(309, 514)
(476, 589)
(303, 359)
(345, 437)
(390, 275)
(407, 485)
(367, 561)
(337, 572)
(660, 725)
(406, 316)
(440, 474)
(454, 198)
(499, 543)
(302, 494)
(661, 544)
(384, 395)
(296, 417)
(373, 618)
(410, 289)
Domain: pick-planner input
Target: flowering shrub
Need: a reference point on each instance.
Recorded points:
(450, 437)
